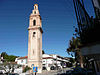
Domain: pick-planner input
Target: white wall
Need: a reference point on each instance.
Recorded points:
(21, 61)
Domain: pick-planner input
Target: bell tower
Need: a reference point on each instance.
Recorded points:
(35, 39)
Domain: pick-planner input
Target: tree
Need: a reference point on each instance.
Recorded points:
(74, 49)
(11, 58)
(3, 54)
(8, 58)
(72, 60)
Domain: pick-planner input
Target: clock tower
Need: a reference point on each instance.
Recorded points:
(35, 39)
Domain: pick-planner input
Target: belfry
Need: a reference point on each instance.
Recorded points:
(35, 39)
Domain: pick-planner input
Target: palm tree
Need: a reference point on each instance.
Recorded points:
(74, 49)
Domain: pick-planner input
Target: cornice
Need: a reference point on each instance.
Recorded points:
(35, 28)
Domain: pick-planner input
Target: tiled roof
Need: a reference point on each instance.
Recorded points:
(42, 58)
(23, 57)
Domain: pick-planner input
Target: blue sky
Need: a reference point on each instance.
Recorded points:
(58, 19)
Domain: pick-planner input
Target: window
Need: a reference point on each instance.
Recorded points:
(34, 12)
(35, 7)
(34, 22)
(43, 61)
(34, 34)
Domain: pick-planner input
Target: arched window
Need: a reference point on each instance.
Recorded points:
(34, 34)
(34, 22)
(35, 7)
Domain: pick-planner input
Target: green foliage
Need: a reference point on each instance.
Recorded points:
(26, 69)
(73, 45)
(11, 58)
(3, 54)
(74, 48)
(8, 58)
(72, 60)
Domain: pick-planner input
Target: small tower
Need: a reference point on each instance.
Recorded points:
(35, 39)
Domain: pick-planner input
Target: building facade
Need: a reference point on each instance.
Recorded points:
(48, 60)
(21, 61)
(35, 39)
(54, 60)
(92, 54)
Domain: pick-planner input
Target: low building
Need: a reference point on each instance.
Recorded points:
(48, 61)
(21, 60)
(53, 60)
